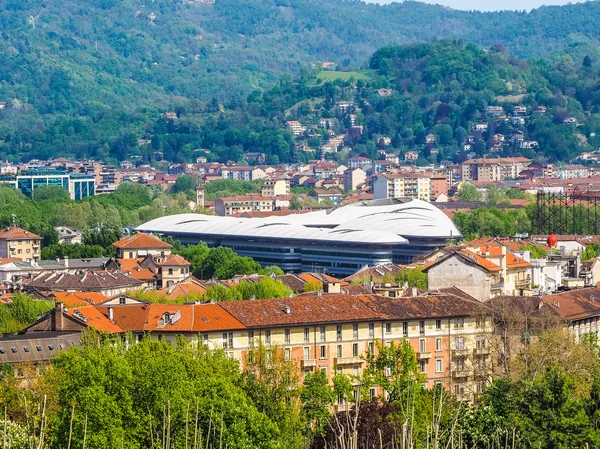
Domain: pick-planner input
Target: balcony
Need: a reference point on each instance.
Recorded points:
(481, 351)
(36, 245)
(461, 353)
(497, 285)
(423, 355)
(348, 361)
(309, 363)
(523, 283)
(460, 373)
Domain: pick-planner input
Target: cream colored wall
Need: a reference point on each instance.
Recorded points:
(24, 249)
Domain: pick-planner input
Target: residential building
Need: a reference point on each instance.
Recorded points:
(228, 206)
(439, 186)
(326, 332)
(296, 127)
(321, 195)
(69, 236)
(358, 161)
(108, 283)
(590, 271)
(494, 110)
(275, 187)
(402, 185)
(141, 245)
(353, 178)
(20, 244)
(411, 156)
(520, 110)
(498, 169)
(243, 173)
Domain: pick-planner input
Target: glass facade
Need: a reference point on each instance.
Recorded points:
(79, 186)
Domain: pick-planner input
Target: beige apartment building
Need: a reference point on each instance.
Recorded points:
(497, 169)
(402, 185)
(18, 243)
(353, 178)
(275, 187)
(233, 205)
(141, 245)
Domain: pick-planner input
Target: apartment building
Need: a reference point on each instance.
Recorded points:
(497, 169)
(140, 245)
(327, 332)
(229, 206)
(353, 178)
(402, 185)
(17, 243)
(275, 187)
(242, 173)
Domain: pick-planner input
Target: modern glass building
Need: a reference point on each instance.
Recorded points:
(79, 186)
(338, 241)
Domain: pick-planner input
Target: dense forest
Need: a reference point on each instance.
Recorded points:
(94, 81)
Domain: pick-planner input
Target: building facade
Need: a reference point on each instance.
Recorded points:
(17, 243)
(402, 185)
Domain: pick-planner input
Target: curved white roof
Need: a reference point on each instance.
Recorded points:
(270, 227)
(385, 222)
(412, 218)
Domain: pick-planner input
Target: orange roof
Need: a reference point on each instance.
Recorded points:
(13, 232)
(141, 240)
(320, 277)
(94, 318)
(183, 289)
(77, 299)
(137, 272)
(171, 260)
(490, 266)
(7, 260)
(513, 261)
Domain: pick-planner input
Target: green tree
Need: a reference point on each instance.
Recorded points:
(468, 192)
(185, 183)
(317, 398)
(55, 193)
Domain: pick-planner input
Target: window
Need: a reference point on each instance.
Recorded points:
(421, 327)
(268, 336)
(355, 331)
(130, 255)
(26, 348)
(39, 348)
(322, 333)
(287, 336)
(306, 335)
(459, 389)
(438, 365)
(438, 325)
(480, 342)
(339, 350)
(355, 350)
(268, 355)
(372, 394)
(480, 386)
(227, 340)
(287, 354)
(205, 339)
(459, 363)
(388, 371)
(306, 353)
(422, 345)
(122, 300)
(459, 343)
(323, 351)
(459, 323)
(250, 338)
(339, 332)
(170, 271)
(422, 365)
(388, 328)
(438, 344)
(27, 250)
(355, 371)
(371, 330)
(371, 348)
(405, 329)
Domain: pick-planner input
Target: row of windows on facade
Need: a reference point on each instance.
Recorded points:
(459, 342)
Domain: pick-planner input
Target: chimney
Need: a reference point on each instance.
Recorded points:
(66, 261)
(110, 313)
(414, 292)
(58, 316)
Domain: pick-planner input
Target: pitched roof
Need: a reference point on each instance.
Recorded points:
(141, 240)
(13, 232)
(432, 306)
(575, 304)
(183, 289)
(171, 260)
(513, 261)
(92, 316)
(306, 309)
(82, 281)
(78, 299)
(467, 256)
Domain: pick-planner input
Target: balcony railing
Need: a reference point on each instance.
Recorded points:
(460, 373)
(423, 355)
(461, 352)
(498, 285)
(348, 360)
(481, 351)
(309, 363)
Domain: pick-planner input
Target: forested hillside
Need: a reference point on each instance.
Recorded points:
(91, 79)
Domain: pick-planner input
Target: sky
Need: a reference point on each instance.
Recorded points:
(490, 5)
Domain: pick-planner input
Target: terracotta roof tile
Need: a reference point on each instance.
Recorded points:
(13, 232)
(141, 240)
(575, 304)
(77, 299)
(95, 319)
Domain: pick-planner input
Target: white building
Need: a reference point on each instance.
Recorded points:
(402, 185)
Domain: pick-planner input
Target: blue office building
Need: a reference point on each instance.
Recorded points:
(79, 186)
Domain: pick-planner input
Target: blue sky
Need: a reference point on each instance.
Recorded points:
(488, 5)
